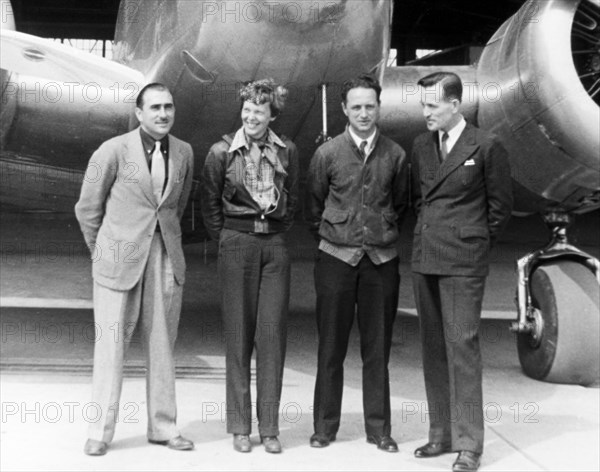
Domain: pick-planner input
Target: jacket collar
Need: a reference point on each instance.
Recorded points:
(272, 143)
(239, 140)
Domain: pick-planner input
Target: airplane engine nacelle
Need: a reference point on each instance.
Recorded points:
(9, 106)
(8, 100)
(537, 77)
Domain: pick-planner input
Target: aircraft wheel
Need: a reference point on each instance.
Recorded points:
(564, 346)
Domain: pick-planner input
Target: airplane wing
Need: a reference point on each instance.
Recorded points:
(38, 57)
(58, 105)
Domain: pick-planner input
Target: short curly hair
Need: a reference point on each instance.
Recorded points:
(362, 81)
(265, 91)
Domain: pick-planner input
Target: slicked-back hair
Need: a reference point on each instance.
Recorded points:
(450, 84)
(139, 101)
(363, 81)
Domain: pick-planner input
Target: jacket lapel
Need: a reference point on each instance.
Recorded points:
(431, 162)
(461, 151)
(136, 154)
(175, 162)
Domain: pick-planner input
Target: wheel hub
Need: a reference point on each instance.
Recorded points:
(536, 324)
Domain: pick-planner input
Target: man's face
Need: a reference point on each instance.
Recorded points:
(440, 114)
(362, 110)
(256, 119)
(157, 114)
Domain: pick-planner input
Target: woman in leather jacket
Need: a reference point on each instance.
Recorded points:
(249, 197)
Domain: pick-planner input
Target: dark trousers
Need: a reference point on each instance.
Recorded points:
(450, 312)
(255, 281)
(371, 292)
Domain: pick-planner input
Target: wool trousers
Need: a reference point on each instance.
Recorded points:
(153, 305)
(254, 271)
(369, 293)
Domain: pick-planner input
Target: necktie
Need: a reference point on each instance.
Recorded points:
(158, 172)
(363, 149)
(444, 147)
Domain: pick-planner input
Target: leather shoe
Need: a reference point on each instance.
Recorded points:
(321, 439)
(178, 443)
(432, 449)
(385, 443)
(271, 444)
(95, 448)
(467, 461)
(241, 443)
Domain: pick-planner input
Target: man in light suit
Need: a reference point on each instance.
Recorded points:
(462, 190)
(133, 196)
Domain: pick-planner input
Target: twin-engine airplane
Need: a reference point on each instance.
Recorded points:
(537, 86)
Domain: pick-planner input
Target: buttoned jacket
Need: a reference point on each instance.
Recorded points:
(119, 214)
(353, 202)
(462, 204)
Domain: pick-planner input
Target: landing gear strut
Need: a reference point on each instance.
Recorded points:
(559, 310)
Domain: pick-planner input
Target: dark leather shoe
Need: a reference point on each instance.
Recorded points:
(95, 448)
(178, 443)
(241, 443)
(467, 461)
(432, 449)
(271, 444)
(321, 439)
(385, 443)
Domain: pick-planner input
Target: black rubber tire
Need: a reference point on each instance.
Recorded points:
(568, 296)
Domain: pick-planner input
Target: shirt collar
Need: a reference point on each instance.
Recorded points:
(453, 134)
(357, 139)
(240, 141)
(149, 142)
(269, 152)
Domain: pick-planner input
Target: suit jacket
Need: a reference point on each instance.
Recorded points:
(118, 213)
(462, 204)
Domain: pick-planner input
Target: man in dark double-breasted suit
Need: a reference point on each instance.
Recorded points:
(132, 199)
(462, 195)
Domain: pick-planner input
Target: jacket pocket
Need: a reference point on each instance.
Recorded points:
(473, 232)
(334, 216)
(389, 230)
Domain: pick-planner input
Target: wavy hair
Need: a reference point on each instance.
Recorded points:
(450, 84)
(265, 91)
(363, 81)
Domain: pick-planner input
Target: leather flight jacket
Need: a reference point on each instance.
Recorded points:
(227, 203)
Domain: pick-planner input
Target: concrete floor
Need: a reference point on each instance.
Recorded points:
(530, 425)
(46, 358)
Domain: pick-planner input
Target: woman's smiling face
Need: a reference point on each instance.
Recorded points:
(256, 119)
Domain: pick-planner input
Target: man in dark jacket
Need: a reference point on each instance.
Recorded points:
(462, 186)
(357, 188)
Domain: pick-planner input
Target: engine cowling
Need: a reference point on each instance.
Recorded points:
(539, 83)
(9, 101)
